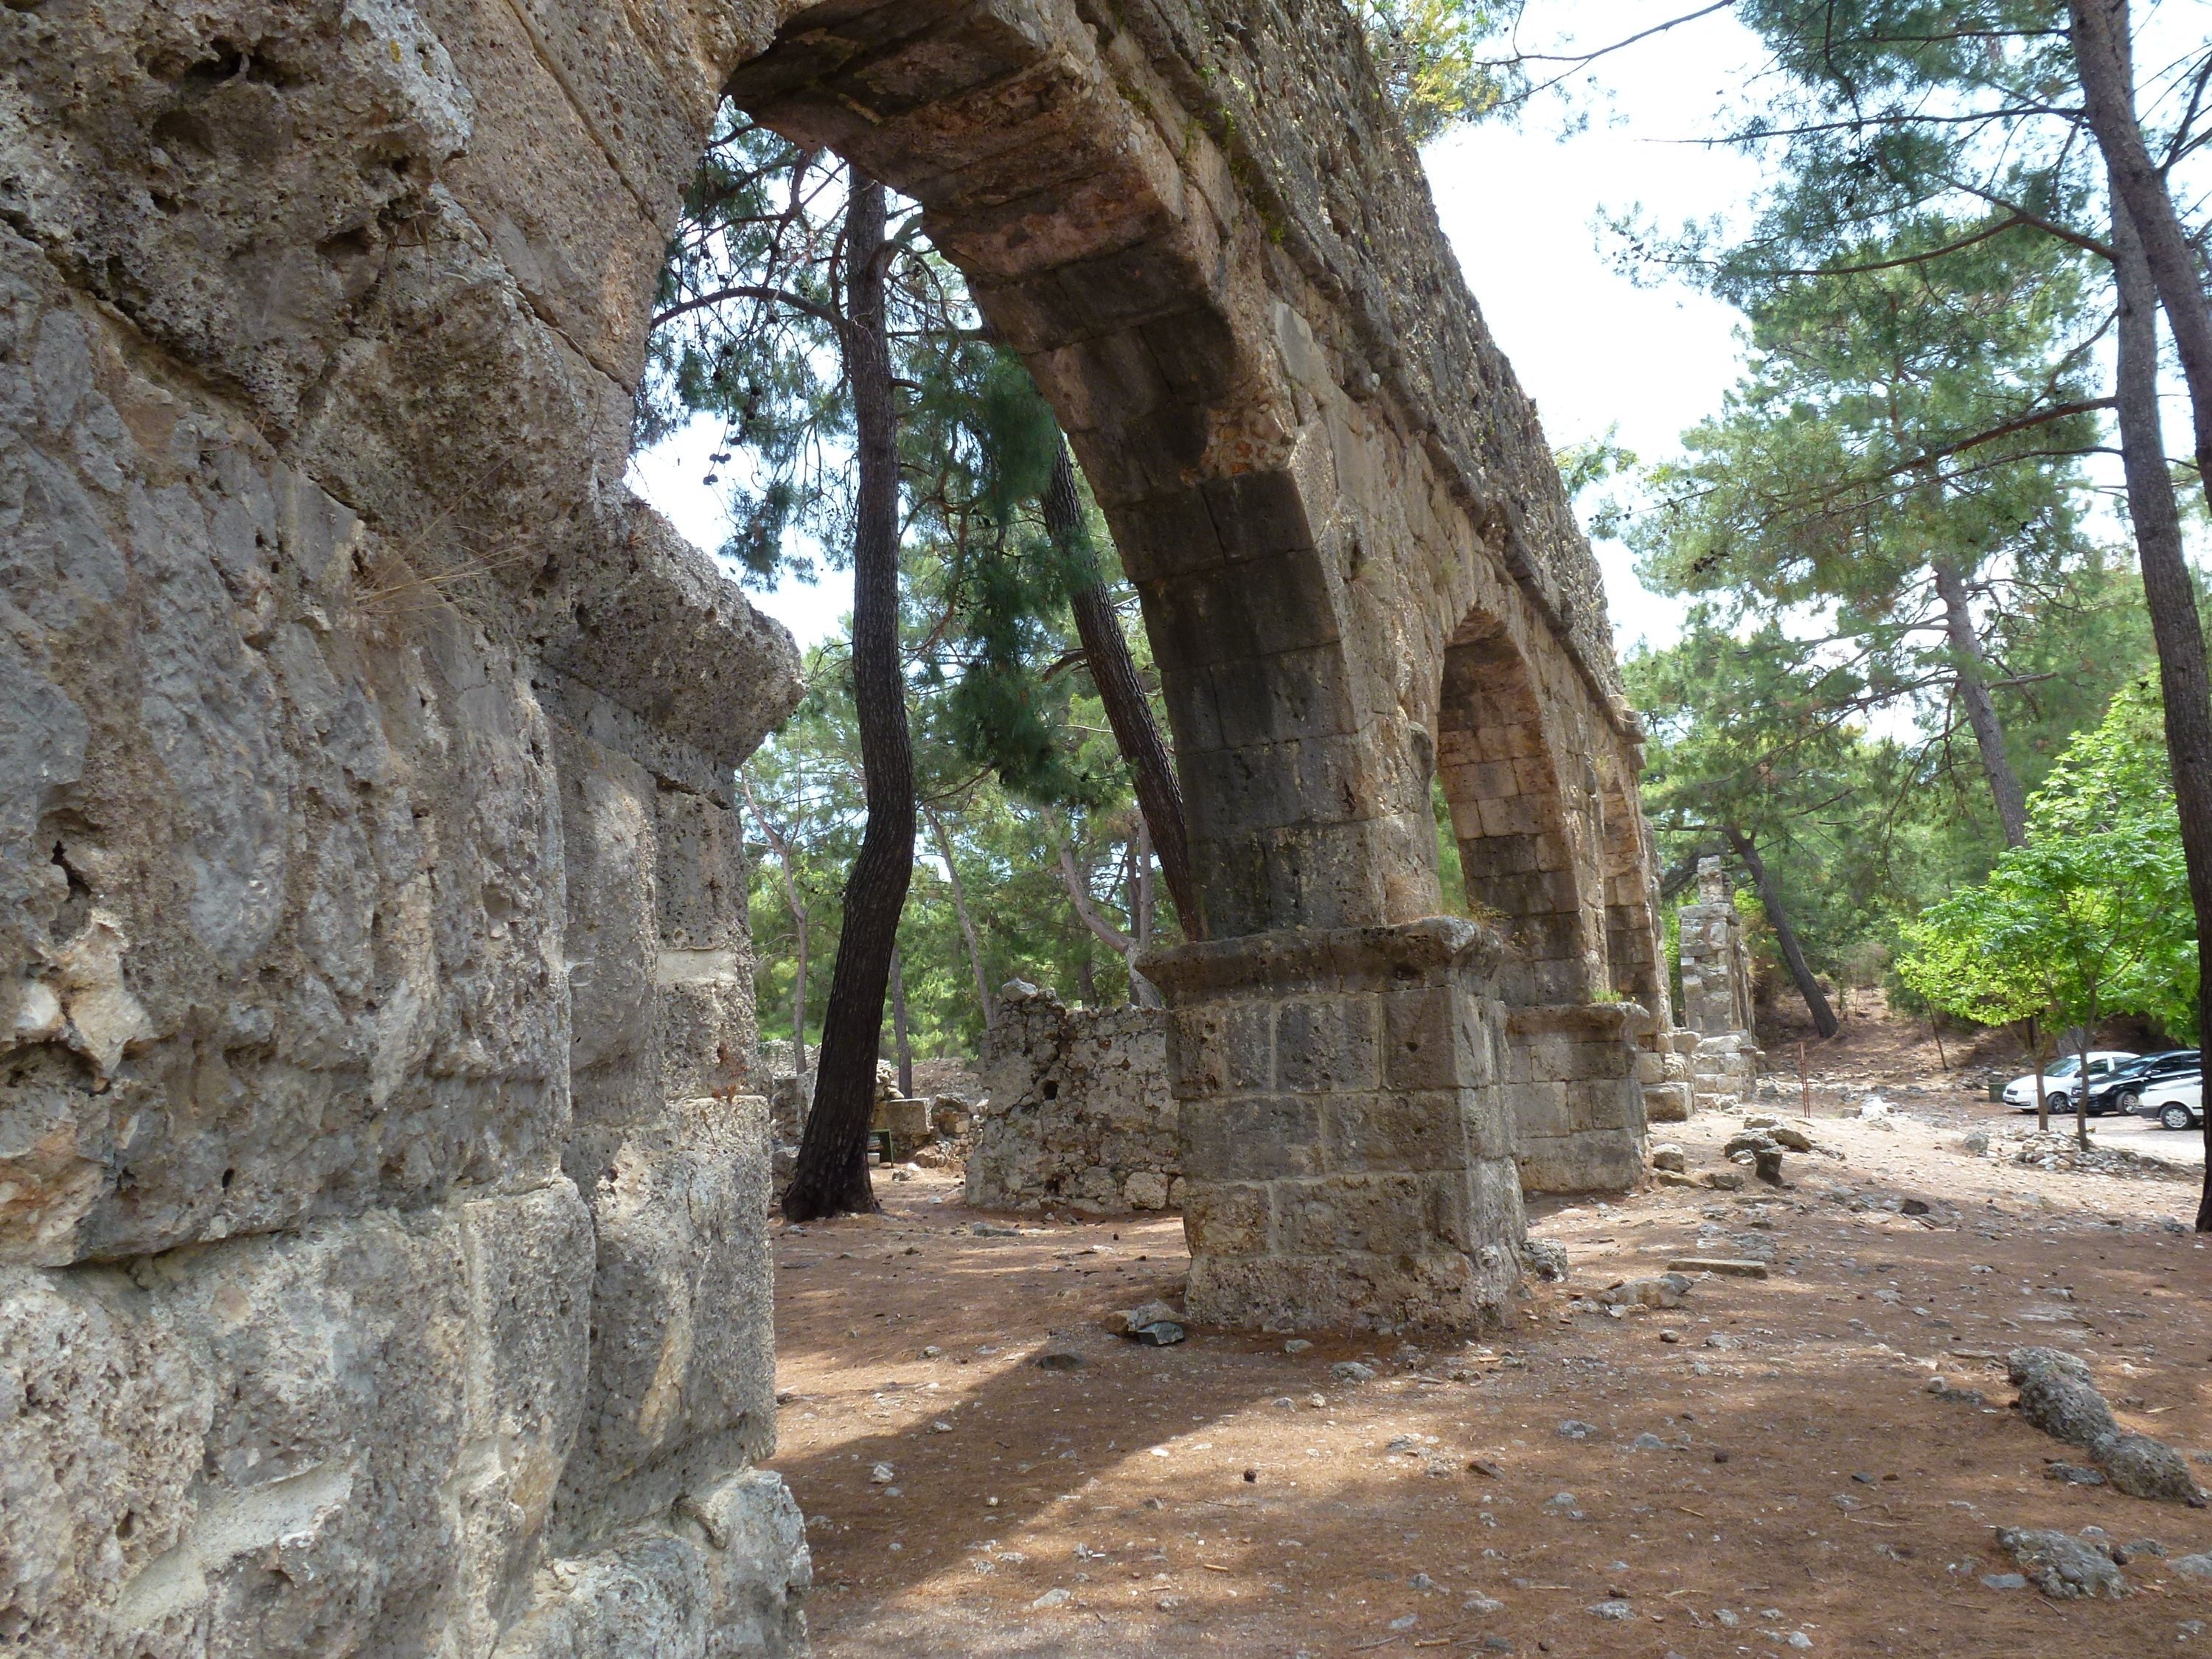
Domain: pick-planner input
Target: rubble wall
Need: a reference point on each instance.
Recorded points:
(382, 1253)
(1078, 1113)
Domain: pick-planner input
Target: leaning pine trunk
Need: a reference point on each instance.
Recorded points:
(2104, 55)
(1114, 671)
(2172, 599)
(1970, 675)
(832, 1172)
(1816, 1000)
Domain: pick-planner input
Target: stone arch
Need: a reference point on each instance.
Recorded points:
(1523, 840)
(1208, 247)
(1100, 226)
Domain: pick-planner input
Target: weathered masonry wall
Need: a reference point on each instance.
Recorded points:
(1077, 1113)
(1348, 1153)
(382, 1262)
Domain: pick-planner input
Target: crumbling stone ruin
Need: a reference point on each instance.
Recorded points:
(1716, 991)
(1667, 1070)
(381, 1202)
(1077, 1113)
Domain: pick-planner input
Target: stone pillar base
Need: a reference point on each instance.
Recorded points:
(1347, 1159)
(1669, 1077)
(1571, 1085)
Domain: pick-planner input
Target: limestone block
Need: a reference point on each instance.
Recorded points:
(1324, 1043)
(1223, 1046)
(1145, 1189)
(699, 885)
(1582, 1161)
(247, 849)
(1666, 1102)
(704, 1023)
(529, 1263)
(649, 1597)
(1253, 1136)
(758, 1569)
(1539, 1109)
(682, 1376)
(1230, 1219)
(102, 1414)
(1393, 1130)
(226, 271)
(608, 836)
(376, 1407)
(727, 1583)
(1432, 1039)
(1335, 1214)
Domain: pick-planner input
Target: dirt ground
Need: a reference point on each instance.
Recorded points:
(1801, 1489)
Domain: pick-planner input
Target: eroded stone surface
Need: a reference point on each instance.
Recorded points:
(1078, 1113)
(1347, 1155)
(374, 971)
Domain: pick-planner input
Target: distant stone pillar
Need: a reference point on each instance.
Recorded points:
(1716, 972)
(1717, 990)
(1347, 1153)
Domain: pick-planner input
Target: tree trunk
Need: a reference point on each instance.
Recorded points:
(1981, 713)
(832, 1172)
(902, 1052)
(2172, 597)
(2035, 1058)
(1141, 991)
(2105, 57)
(1159, 793)
(1816, 1000)
(967, 921)
(2081, 1085)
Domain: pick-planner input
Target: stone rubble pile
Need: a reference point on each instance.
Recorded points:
(2057, 1149)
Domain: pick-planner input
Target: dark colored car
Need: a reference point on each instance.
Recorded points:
(2122, 1090)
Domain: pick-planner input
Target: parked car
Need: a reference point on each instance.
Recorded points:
(2122, 1090)
(2062, 1079)
(2178, 1102)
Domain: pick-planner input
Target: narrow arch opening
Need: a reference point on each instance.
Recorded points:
(1519, 851)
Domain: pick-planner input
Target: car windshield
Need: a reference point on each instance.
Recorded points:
(2065, 1067)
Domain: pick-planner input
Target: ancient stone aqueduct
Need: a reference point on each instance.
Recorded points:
(382, 1186)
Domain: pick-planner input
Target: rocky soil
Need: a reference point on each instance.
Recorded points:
(1820, 1460)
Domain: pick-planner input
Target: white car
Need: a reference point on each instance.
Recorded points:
(2176, 1102)
(2061, 1081)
